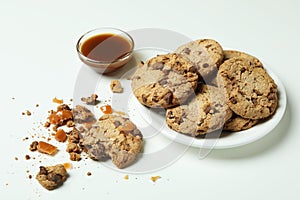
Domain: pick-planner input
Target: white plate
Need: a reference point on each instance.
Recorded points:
(157, 121)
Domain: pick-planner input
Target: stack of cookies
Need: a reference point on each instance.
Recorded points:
(205, 88)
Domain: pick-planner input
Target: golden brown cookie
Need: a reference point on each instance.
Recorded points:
(114, 137)
(205, 54)
(205, 113)
(251, 92)
(238, 123)
(233, 54)
(164, 81)
(52, 177)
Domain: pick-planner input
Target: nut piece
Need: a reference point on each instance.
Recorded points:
(52, 177)
(116, 87)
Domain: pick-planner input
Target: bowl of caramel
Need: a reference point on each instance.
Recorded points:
(105, 49)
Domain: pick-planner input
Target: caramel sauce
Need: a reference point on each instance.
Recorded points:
(105, 47)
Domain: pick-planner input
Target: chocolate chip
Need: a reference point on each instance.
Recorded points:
(207, 109)
(192, 69)
(56, 178)
(166, 71)
(207, 46)
(43, 170)
(170, 115)
(199, 53)
(168, 98)
(117, 123)
(233, 100)
(187, 51)
(243, 70)
(254, 101)
(205, 65)
(155, 99)
(271, 96)
(144, 99)
(158, 65)
(163, 82)
(178, 120)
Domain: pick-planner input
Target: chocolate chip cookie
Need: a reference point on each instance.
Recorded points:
(233, 54)
(52, 177)
(164, 81)
(205, 113)
(238, 123)
(205, 54)
(251, 92)
(114, 137)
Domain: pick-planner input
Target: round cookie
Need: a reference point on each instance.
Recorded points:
(205, 54)
(237, 123)
(233, 54)
(251, 92)
(205, 113)
(164, 81)
(114, 137)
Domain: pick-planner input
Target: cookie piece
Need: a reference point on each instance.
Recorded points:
(205, 113)
(237, 123)
(233, 54)
(52, 177)
(205, 54)
(116, 87)
(251, 92)
(164, 81)
(114, 137)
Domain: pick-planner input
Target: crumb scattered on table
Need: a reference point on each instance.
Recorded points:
(155, 178)
(115, 86)
(126, 177)
(91, 100)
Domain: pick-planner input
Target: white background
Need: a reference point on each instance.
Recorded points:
(39, 62)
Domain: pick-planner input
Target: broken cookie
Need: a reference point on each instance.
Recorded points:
(52, 177)
(116, 87)
(92, 100)
(114, 137)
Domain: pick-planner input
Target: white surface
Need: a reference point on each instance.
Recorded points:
(39, 62)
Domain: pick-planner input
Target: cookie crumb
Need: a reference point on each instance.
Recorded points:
(75, 156)
(116, 87)
(88, 173)
(126, 177)
(58, 101)
(155, 178)
(30, 176)
(52, 177)
(37, 105)
(27, 157)
(33, 146)
(16, 158)
(92, 100)
(28, 113)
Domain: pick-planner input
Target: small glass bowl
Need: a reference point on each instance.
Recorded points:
(104, 67)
